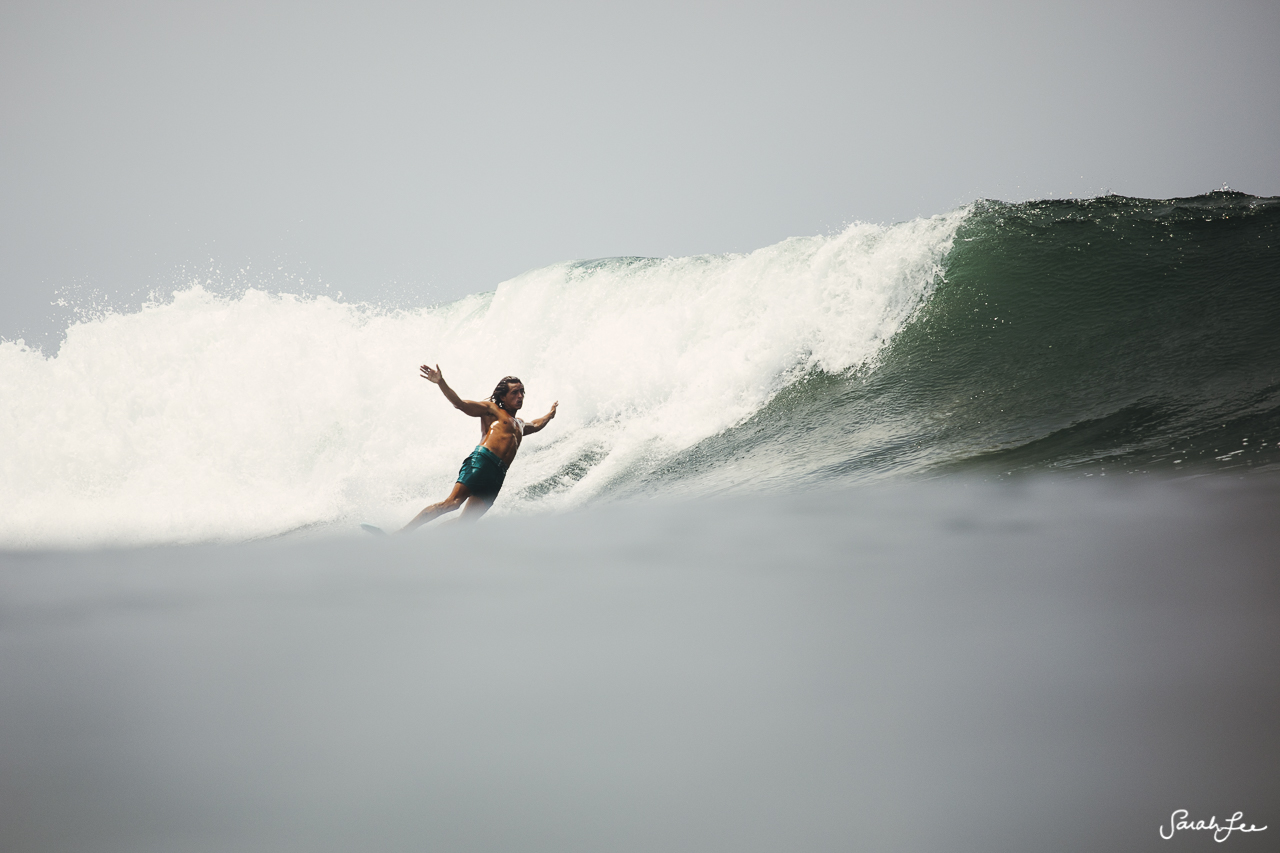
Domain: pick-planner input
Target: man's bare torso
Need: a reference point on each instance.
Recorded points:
(501, 435)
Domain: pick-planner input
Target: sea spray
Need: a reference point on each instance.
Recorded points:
(210, 417)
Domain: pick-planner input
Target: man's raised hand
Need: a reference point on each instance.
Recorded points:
(432, 375)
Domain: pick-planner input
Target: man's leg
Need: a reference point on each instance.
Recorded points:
(475, 508)
(456, 498)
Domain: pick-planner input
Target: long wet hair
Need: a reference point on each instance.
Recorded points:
(501, 390)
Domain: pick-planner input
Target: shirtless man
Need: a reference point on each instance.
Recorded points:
(484, 470)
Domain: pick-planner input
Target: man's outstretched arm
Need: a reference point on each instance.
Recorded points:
(539, 423)
(467, 407)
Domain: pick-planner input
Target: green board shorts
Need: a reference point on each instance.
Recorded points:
(482, 473)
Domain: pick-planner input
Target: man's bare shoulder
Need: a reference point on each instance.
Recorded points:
(494, 412)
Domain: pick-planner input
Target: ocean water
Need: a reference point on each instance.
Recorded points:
(952, 535)
(1098, 337)
(952, 665)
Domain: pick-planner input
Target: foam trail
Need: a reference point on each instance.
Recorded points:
(208, 417)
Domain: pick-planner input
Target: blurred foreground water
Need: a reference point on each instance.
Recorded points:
(1043, 664)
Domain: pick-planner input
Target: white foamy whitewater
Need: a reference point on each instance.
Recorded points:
(208, 417)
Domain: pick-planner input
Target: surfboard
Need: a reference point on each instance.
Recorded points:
(374, 529)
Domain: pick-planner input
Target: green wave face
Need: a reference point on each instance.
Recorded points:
(1114, 331)
(1103, 335)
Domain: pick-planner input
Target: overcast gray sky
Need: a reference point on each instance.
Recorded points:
(416, 152)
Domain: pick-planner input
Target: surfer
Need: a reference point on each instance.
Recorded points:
(484, 470)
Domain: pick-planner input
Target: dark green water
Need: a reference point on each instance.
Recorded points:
(1097, 336)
